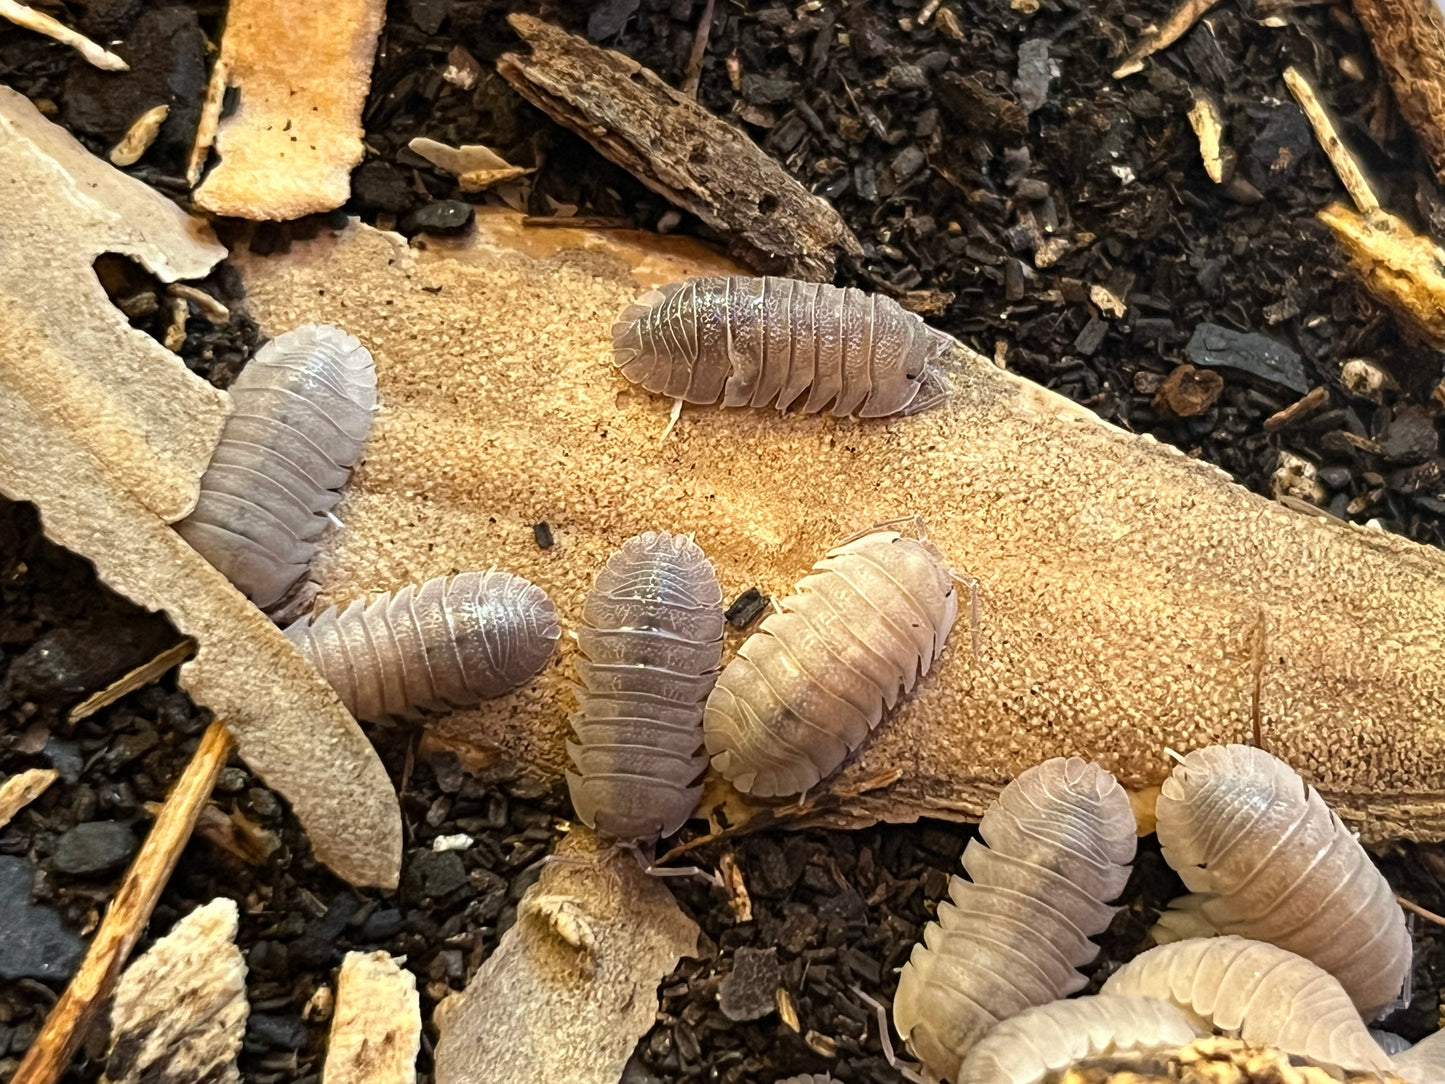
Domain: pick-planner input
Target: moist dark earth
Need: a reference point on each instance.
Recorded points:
(1002, 184)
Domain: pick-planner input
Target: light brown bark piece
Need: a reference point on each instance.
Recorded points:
(1397, 265)
(180, 1010)
(1408, 37)
(124, 398)
(1121, 580)
(22, 788)
(573, 985)
(376, 1030)
(288, 723)
(301, 72)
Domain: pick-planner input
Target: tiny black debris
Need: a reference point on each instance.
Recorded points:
(746, 608)
(542, 532)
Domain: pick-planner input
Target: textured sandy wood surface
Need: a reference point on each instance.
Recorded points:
(376, 1029)
(1409, 38)
(1124, 585)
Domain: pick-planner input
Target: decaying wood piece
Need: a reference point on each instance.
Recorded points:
(573, 985)
(301, 72)
(1155, 38)
(1214, 1060)
(22, 788)
(129, 911)
(1399, 266)
(180, 1010)
(1408, 37)
(1121, 582)
(28, 17)
(125, 398)
(679, 150)
(376, 1028)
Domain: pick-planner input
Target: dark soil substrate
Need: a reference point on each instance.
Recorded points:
(928, 148)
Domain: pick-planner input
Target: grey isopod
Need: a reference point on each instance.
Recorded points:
(650, 645)
(448, 644)
(1055, 846)
(816, 677)
(756, 341)
(1264, 857)
(303, 410)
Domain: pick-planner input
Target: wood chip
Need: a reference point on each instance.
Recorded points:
(1119, 577)
(679, 150)
(1348, 170)
(1397, 265)
(573, 985)
(143, 674)
(1408, 37)
(180, 1010)
(209, 121)
(139, 138)
(376, 1029)
(1207, 120)
(302, 72)
(30, 19)
(21, 789)
(1298, 410)
(1179, 23)
(475, 166)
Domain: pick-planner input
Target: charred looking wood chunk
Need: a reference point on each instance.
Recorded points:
(746, 608)
(542, 532)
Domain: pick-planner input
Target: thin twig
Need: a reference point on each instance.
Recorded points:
(693, 74)
(130, 910)
(41, 23)
(1429, 916)
(1350, 174)
(1175, 27)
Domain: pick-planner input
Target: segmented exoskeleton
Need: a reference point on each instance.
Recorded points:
(1423, 1063)
(756, 341)
(1025, 1048)
(448, 644)
(1266, 858)
(817, 676)
(1259, 992)
(649, 645)
(303, 410)
(1055, 846)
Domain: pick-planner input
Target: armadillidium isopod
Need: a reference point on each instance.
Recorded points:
(303, 410)
(1423, 1063)
(451, 643)
(817, 676)
(1025, 1048)
(1055, 846)
(756, 341)
(650, 645)
(1259, 992)
(1267, 859)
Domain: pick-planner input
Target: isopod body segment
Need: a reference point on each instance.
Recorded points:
(448, 644)
(809, 685)
(303, 410)
(760, 341)
(649, 648)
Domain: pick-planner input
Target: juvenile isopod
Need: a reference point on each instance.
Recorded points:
(1259, 992)
(816, 677)
(1055, 846)
(448, 644)
(1267, 859)
(303, 410)
(1026, 1048)
(756, 341)
(649, 646)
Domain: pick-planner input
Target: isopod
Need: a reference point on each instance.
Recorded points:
(1267, 859)
(1258, 992)
(650, 645)
(451, 643)
(816, 677)
(1055, 846)
(1025, 1048)
(303, 410)
(756, 341)
(1423, 1063)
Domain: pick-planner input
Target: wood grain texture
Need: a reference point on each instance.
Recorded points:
(679, 150)
(1408, 37)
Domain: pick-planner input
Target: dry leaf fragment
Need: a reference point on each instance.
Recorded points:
(476, 167)
(302, 71)
(123, 397)
(376, 1029)
(573, 985)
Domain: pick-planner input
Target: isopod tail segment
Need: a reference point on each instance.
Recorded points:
(910, 1071)
(644, 859)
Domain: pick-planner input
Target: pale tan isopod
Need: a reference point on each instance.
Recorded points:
(448, 644)
(816, 677)
(1053, 849)
(649, 645)
(1266, 858)
(1025, 1048)
(1258, 992)
(1423, 1063)
(303, 410)
(756, 341)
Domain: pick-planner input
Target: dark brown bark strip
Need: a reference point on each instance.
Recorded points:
(1409, 39)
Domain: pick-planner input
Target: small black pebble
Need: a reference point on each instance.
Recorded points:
(442, 217)
(746, 608)
(542, 532)
(94, 848)
(276, 1032)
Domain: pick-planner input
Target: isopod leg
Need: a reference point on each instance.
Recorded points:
(915, 520)
(974, 608)
(672, 420)
(910, 1071)
(650, 868)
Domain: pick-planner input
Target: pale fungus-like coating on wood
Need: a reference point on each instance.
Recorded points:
(1121, 583)
(1053, 850)
(448, 644)
(1258, 992)
(757, 342)
(303, 410)
(1024, 1048)
(816, 678)
(1264, 857)
(648, 652)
